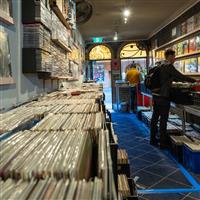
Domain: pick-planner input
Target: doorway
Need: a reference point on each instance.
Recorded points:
(102, 74)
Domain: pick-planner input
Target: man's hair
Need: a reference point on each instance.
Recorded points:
(169, 52)
(133, 65)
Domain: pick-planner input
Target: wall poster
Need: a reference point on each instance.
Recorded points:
(5, 59)
(6, 11)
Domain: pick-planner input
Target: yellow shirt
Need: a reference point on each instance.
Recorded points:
(133, 76)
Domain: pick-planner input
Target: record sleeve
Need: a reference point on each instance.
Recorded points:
(192, 45)
(198, 43)
(183, 28)
(190, 24)
(185, 47)
(191, 65)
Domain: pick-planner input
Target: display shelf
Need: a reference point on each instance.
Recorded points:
(192, 74)
(6, 18)
(177, 39)
(55, 8)
(188, 55)
(6, 80)
(62, 45)
(64, 78)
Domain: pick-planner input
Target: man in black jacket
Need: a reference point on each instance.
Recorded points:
(161, 99)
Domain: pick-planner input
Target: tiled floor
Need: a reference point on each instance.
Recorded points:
(155, 169)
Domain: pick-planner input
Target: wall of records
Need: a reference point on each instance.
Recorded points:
(45, 41)
(187, 54)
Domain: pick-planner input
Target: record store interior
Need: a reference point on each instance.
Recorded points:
(100, 99)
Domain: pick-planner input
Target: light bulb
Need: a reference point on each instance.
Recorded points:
(126, 12)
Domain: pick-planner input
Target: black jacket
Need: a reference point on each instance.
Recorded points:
(168, 74)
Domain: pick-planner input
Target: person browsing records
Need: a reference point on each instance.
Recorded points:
(161, 98)
(133, 77)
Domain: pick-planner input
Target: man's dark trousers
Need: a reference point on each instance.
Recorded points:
(160, 110)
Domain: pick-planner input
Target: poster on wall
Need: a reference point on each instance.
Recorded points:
(6, 11)
(5, 59)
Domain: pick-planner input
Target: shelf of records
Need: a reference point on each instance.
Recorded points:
(188, 47)
(41, 11)
(49, 161)
(6, 12)
(86, 106)
(52, 189)
(186, 27)
(43, 157)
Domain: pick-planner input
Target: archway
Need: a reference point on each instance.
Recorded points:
(100, 68)
(129, 53)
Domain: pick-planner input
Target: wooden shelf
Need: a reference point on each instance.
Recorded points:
(192, 74)
(64, 78)
(6, 80)
(6, 18)
(62, 45)
(188, 54)
(55, 8)
(177, 39)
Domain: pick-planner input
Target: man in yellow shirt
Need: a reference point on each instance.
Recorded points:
(133, 77)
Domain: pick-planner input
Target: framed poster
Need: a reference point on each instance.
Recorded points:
(6, 11)
(5, 59)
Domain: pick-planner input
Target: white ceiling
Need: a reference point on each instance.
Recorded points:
(146, 17)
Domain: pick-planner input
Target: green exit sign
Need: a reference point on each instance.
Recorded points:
(97, 39)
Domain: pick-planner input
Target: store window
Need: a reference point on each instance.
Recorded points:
(100, 52)
(130, 53)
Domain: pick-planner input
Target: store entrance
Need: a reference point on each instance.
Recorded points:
(102, 74)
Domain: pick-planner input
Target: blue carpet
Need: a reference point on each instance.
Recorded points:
(155, 169)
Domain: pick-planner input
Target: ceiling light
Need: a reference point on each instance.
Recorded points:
(125, 22)
(126, 13)
(125, 18)
(115, 36)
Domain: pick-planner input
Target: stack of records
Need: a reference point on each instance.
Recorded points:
(43, 14)
(123, 186)
(19, 116)
(43, 61)
(60, 62)
(36, 36)
(61, 122)
(46, 154)
(73, 108)
(51, 189)
(105, 169)
(194, 134)
(122, 156)
(59, 31)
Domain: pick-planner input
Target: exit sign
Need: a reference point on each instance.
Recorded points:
(97, 39)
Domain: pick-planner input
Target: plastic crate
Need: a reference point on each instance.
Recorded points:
(176, 147)
(191, 158)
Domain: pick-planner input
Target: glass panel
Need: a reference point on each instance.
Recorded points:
(140, 63)
(100, 52)
(131, 51)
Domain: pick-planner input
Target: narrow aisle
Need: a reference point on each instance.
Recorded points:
(155, 169)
